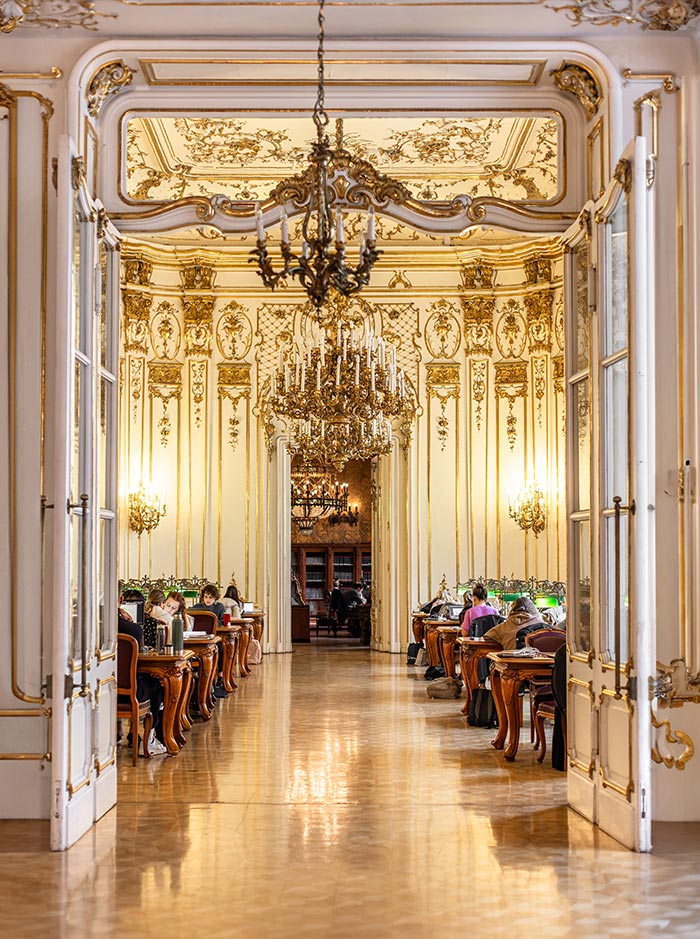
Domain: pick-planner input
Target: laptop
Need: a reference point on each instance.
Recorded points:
(454, 610)
(248, 606)
(135, 610)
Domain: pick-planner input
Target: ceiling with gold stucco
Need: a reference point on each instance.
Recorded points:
(515, 158)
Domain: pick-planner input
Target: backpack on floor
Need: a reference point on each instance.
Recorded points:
(434, 671)
(482, 709)
(422, 658)
(412, 652)
(254, 652)
(444, 688)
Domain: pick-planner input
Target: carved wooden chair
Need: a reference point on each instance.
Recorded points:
(541, 697)
(203, 621)
(128, 705)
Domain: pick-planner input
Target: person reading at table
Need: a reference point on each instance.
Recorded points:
(523, 613)
(479, 607)
(148, 688)
(176, 603)
(154, 613)
(232, 601)
(209, 600)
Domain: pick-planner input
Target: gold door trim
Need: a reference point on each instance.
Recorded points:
(627, 790)
(589, 768)
(99, 766)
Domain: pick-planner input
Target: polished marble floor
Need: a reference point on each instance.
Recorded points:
(330, 798)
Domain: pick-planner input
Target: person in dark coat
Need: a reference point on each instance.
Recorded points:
(148, 688)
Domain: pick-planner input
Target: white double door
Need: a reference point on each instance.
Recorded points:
(610, 381)
(83, 411)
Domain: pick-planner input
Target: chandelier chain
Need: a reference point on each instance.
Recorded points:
(320, 116)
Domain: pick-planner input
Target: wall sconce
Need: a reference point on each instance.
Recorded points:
(145, 510)
(349, 517)
(528, 508)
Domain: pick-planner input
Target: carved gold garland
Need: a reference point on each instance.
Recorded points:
(108, 80)
(52, 14)
(666, 15)
(164, 383)
(443, 383)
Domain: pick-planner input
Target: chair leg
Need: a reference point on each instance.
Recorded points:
(134, 736)
(532, 719)
(147, 727)
(541, 738)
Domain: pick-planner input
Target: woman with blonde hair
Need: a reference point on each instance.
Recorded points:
(155, 614)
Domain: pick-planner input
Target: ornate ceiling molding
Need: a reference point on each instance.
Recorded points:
(580, 82)
(51, 14)
(108, 80)
(667, 15)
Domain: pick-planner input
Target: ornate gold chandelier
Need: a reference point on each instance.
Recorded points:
(322, 263)
(528, 508)
(145, 510)
(339, 392)
(316, 494)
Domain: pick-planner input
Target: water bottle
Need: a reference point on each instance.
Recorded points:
(161, 635)
(176, 630)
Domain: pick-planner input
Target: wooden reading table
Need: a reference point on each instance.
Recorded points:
(508, 672)
(471, 651)
(447, 640)
(230, 636)
(174, 673)
(246, 625)
(417, 621)
(205, 649)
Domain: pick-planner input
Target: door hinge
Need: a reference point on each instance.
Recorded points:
(48, 686)
(644, 803)
(592, 288)
(68, 686)
(632, 688)
(57, 800)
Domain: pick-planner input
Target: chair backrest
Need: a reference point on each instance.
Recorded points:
(546, 640)
(127, 659)
(203, 621)
(560, 674)
(482, 624)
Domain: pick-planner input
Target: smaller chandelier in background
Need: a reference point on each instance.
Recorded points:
(528, 508)
(145, 510)
(316, 494)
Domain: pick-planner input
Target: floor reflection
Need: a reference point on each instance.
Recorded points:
(330, 797)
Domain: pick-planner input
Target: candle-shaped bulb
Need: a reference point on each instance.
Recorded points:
(284, 228)
(259, 223)
(339, 228)
(371, 225)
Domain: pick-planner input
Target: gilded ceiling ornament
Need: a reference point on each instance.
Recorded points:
(539, 369)
(165, 382)
(443, 383)
(137, 317)
(580, 82)
(623, 174)
(511, 331)
(52, 14)
(539, 320)
(166, 335)
(137, 270)
(234, 333)
(559, 324)
(78, 176)
(108, 80)
(478, 324)
(401, 322)
(667, 15)
(199, 318)
(537, 270)
(233, 385)
(399, 280)
(442, 332)
(479, 276)
(510, 384)
(136, 366)
(198, 275)
(479, 373)
(198, 389)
